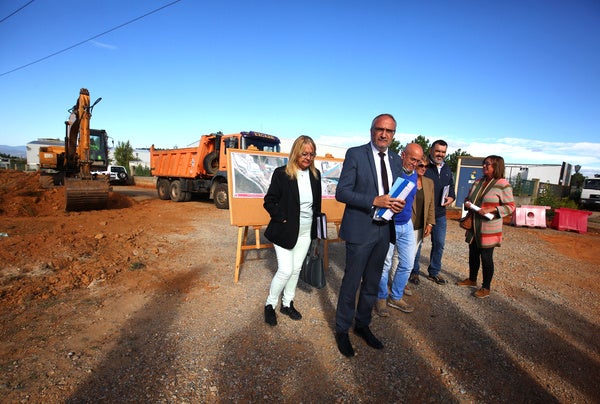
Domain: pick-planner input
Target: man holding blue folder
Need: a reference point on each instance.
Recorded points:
(367, 175)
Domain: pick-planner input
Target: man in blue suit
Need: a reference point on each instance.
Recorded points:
(367, 174)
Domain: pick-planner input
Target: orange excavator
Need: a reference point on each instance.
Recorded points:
(84, 191)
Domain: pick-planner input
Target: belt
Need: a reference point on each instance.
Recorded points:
(380, 222)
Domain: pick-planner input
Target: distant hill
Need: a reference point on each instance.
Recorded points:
(16, 151)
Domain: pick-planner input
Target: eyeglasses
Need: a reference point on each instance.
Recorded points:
(311, 155)
(423, 165)
(379, 130)
(486, 163)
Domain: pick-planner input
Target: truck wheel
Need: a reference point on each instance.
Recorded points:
(221, 196)
(164, 189)
(177, 195)
(211, 162)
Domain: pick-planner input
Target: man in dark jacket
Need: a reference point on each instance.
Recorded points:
(367, 175)
(443, 182)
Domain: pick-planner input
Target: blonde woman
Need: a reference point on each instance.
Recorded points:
(293, 202)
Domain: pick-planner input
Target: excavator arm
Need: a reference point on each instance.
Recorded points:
(83, 192)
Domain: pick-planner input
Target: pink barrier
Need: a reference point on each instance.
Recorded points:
(570, 219)
(531, 216)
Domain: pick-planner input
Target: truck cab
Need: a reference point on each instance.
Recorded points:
(246, 141)
(590, 193)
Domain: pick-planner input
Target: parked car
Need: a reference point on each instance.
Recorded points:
(118, 174)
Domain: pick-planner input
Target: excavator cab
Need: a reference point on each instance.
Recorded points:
(83, 192)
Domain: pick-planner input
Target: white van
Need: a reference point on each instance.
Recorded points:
(117, 174)
(590, 194)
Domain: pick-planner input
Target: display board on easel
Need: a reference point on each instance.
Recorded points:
(249, 173)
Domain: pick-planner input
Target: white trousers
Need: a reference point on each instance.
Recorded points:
(289, 264)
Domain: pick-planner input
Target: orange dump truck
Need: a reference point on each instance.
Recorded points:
(203, 169)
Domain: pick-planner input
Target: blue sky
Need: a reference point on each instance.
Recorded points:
(515, 78)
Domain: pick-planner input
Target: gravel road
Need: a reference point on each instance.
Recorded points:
(178, 329)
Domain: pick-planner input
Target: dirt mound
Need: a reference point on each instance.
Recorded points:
(58, 251)
(28, 194)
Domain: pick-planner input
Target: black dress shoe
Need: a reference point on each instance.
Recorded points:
(270, 316)
(366, 334)
(343, 344)
(291, 311)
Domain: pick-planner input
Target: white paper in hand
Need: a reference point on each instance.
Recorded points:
(400, 190)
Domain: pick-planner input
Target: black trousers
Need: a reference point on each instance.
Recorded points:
(364, 264)
(485, 256)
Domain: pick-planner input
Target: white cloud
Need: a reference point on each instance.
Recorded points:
(103, 45)
(514, 150)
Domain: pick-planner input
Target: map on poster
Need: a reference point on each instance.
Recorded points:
(250, 174)
(330, 175)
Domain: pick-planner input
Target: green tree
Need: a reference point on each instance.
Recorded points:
(395, 146)
(124, 154)
(452, 159)
(142, 171)
(577, 180)
(420, 140)
(423, 142)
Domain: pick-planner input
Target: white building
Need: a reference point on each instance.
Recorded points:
(558, 174)
(322, 149)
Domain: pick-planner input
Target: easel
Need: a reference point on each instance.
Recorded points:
(242, 246)
(246, 204)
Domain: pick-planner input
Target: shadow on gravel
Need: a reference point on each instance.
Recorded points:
(473, 351)
(130, 372)
(550, 349)
(497, 344)
(468, 357)
(567, 321)
(264, 364)
(469, 353)
(299, 362)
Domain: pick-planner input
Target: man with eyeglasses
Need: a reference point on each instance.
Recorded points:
(405, 238)
(443, 183)
(367, 174)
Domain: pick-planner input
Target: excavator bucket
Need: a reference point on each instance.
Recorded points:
(86, 194)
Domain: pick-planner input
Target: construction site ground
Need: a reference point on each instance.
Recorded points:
(138, 303)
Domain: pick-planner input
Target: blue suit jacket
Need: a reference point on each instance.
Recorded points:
(357, 187)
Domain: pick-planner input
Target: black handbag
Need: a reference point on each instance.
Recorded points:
(312, 271)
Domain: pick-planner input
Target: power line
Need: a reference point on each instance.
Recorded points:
(89, 39)
(15, 12)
